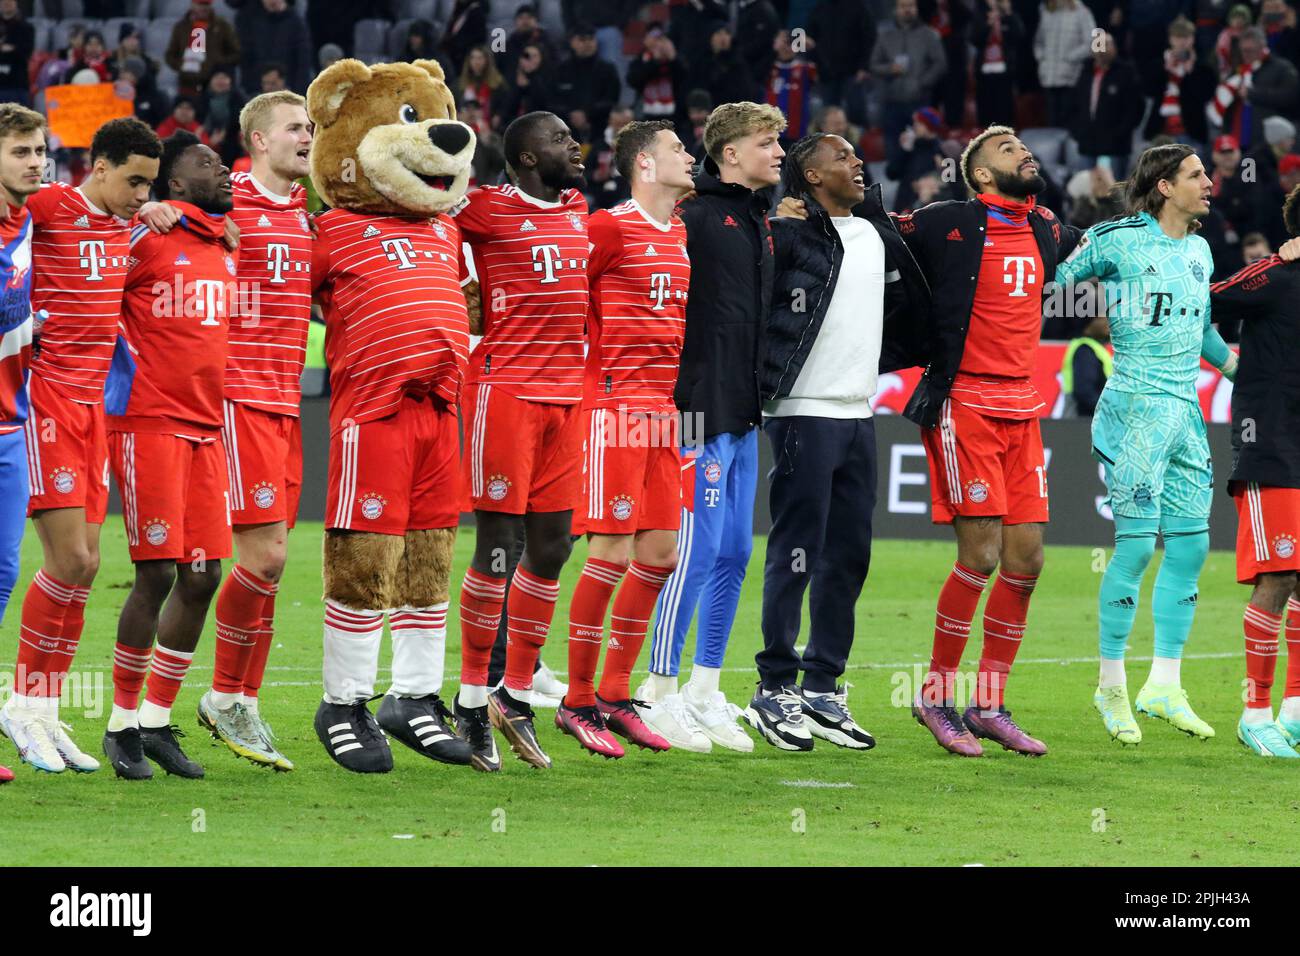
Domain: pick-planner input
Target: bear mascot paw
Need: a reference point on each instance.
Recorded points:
(390, 159)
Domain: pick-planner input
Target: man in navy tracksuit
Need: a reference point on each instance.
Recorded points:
(729, 244)
(848, 301)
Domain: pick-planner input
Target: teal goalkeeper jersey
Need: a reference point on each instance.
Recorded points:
(1158, 299)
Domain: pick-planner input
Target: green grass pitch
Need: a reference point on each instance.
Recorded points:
(1171, 801)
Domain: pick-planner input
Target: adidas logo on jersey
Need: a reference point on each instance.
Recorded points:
(263, 221)
(1150, 270)
(954, 236)
(370, 232)
(182, 260)
(83, 222)
(650, 251)
(528, 226)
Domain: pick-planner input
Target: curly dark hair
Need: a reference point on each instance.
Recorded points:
(793, 181)
(172, 148)
(120, 139)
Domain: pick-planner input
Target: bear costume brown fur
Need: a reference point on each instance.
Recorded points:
(386, 143)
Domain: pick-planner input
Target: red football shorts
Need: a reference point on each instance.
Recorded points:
(519, 456)
(1268, 530)
(67, 453)
(631, 474)
(985, 467)
(175, 501)
(264, 458)
(397, 474)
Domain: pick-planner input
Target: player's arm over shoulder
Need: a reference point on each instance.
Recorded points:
(604, 242)
(1092, 258)
(473, 214)
(42, 203)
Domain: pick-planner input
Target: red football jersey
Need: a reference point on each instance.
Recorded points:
(268, 341)
(79, 255)
(395, 319)
(532, 268)
(639, 274)
(169, 368)
(1006, 318)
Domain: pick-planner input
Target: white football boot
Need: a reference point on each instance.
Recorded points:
(33, 734)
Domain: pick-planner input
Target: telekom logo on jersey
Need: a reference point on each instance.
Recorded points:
(1018, 271)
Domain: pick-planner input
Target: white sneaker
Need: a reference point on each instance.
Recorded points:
(671, 720)
(72, 755)
(717, 719)
(547, 684)
(33, 735)
(545, 700)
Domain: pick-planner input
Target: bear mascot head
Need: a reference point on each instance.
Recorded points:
(387, 139)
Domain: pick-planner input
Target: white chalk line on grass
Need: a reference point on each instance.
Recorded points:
(1218, 656)
(818, 784)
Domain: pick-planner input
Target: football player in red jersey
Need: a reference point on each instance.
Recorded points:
(261, 433)
(22, 158)
(522, 415)
(80, 248)
(164, 404)
(631, 500)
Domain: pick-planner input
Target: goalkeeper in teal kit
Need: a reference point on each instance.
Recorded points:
(1148, 430)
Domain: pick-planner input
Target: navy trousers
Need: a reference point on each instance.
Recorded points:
(823, 489)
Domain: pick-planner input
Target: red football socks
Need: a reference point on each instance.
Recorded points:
(1005, 614)
(130, 664)
(41, 633)
(481, 599)
(1261, 629)
(529, 609)
(166, 674)
(587, 626)
(74, 622)
(957, 602)
(256, 668)
(627, 629)
(1293, 648)
(239, 618)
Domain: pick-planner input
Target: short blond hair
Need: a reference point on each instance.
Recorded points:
(16, 120)
(732, 121)
(971, 153)
(256, 114)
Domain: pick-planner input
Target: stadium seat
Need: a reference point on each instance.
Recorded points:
(113, 27)
(420, 10)
(41, 28)
(171, 10)
(551, 14)
(370, 39)
(397, 38)
(501, 13)
(168, 81)
(156, 37)
(138, 8)
(59, 36)
(60, 9)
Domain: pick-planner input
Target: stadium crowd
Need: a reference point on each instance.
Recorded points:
(907, 81)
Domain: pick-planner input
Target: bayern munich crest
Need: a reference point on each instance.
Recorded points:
(498, 486)
(372, 505)
(620, 506)
(713, 472)
(302, 221)
(64, 479)
(576, 221)
(230, 265)
(264, 494)
(439, 229)
(1284, 546)
(977, 491)
(155, 531)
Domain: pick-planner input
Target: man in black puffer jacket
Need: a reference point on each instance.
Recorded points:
(730, 248)
(848, 301)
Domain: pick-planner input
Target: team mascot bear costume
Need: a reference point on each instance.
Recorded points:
(390, 159)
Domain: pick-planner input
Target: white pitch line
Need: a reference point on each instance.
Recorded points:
(818, 784)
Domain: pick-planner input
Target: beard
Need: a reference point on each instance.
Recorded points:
(1016, 186)
(561, 176)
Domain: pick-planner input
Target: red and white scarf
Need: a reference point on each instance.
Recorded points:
(1171, 107)
(1232, 89)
